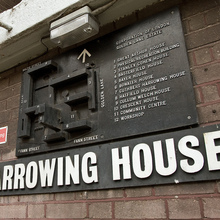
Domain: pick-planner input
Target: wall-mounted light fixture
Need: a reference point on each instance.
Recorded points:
(74, 28)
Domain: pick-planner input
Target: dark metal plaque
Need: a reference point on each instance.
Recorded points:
(132, 82)
(187, 155)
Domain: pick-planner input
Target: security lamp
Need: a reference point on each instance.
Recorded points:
(74, 28)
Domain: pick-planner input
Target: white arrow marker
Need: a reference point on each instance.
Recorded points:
(83, 54)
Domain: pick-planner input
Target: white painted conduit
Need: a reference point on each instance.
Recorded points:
(6, 26)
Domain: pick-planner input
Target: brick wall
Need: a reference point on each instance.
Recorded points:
(202, 28)
(201, 21)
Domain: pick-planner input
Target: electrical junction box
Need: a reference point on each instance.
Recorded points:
(73, 28)
(136, 82)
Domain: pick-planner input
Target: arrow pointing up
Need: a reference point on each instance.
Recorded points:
(83, 54)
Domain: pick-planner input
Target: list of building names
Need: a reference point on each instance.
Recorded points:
(137, 88)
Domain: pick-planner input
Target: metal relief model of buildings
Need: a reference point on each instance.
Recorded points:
(135, 81)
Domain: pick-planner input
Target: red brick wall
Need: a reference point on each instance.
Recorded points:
(202, 28)
(201, 21)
